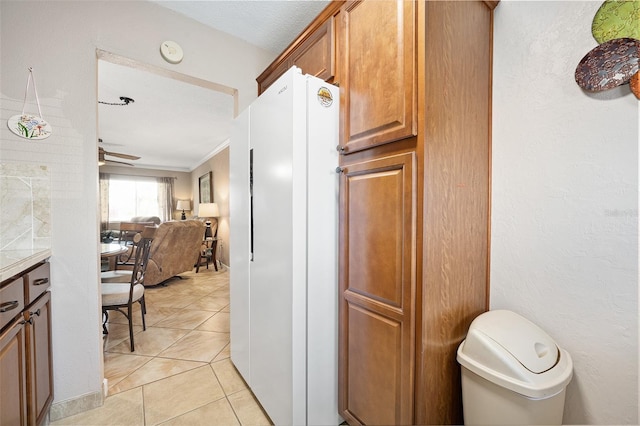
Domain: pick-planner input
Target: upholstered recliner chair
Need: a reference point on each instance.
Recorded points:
(175, 249)
(154, 219)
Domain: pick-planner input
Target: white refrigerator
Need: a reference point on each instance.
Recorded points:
(283, 232)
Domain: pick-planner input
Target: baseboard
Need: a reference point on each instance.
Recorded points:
(70, 407)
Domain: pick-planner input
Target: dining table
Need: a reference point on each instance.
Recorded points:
(110, 251)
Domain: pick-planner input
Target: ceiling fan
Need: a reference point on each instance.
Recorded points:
(102, 160)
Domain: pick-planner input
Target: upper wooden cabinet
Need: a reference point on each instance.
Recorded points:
(313, 51)
(266, 80)
(377, 73)
(317, 55)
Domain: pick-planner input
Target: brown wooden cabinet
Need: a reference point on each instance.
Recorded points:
(456, 135)
(377, 62)
(415, 134)
(313, 51)
(26, 371)
(316, 55)
(266, 80)
(40, 368)
(378, 278)
(13, 375)
(415, 82)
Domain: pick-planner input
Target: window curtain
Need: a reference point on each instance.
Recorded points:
(165, 197)
(104, 201)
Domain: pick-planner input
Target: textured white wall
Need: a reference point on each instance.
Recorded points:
(565, 203)
(59, 40)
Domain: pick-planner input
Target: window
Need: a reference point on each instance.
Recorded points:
(123, 197)
(133, 197)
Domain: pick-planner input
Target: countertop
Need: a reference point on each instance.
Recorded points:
(13, 262)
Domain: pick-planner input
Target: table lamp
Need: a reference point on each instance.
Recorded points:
(208, 210)
(183, 205)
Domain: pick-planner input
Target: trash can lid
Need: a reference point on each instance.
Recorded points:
(509, 350)
(529, 345)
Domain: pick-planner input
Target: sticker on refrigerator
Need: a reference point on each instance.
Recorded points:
(325, 97)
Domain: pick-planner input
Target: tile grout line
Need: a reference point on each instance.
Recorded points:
(156, 356)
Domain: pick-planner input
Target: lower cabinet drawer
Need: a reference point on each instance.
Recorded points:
(36, 282)
(11, 301)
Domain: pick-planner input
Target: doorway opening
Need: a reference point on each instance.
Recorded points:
(146, 136)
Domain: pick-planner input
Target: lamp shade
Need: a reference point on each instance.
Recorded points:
(208, 210)
(183, 205)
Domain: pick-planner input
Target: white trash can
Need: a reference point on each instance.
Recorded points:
(512, 372)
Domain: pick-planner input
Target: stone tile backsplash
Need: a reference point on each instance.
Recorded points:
(25, 207)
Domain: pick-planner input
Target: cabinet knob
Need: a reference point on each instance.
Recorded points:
(35, 313)
(340, 169)
(341, 149)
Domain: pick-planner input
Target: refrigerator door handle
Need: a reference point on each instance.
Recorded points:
(251, 202)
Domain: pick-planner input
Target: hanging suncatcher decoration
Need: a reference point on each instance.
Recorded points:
(30, 126)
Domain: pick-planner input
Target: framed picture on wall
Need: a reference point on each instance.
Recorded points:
(205, 184)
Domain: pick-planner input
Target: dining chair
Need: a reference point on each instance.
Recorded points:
(120, 269)
(127, 231)
(121, 296)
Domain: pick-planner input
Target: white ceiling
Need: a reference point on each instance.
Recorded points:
(269, 24)
(171, 124)
(166, 111)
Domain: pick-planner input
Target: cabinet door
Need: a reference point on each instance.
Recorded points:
(377, 290)
(316, 55)
(377, 73)
(40, 368)
(13, 375)
(265, 81)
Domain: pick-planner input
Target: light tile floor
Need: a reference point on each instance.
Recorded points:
(180, 372)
